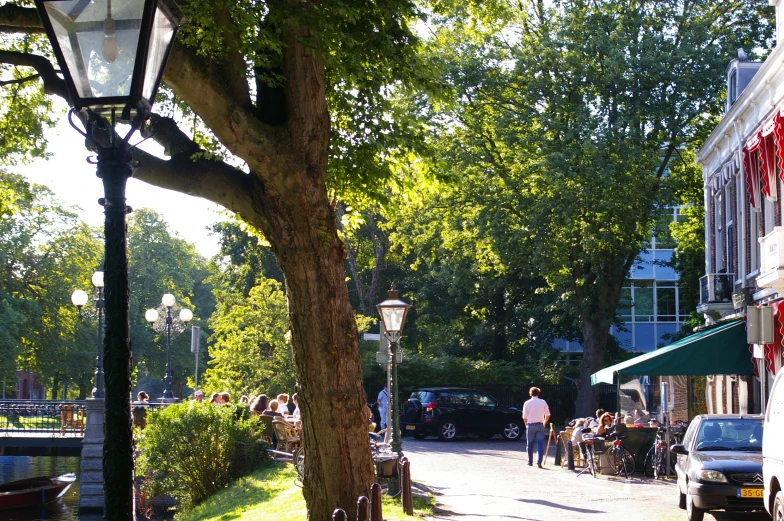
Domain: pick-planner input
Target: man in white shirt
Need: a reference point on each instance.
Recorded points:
(536, 414)
(383, 401)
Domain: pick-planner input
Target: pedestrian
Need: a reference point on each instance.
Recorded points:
(536, 414)
(198, 396)
(383, 402)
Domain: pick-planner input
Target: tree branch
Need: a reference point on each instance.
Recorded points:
(53, 84)
(20, 80)
(15, 19)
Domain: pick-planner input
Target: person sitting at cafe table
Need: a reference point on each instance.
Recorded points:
(273, 409)
(259, 404)
(283, 403)
(296, 413)
(605, 424)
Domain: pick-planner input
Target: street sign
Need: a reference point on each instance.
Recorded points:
(664, 397)
(195, 339)
(371, 336)
(382, 357)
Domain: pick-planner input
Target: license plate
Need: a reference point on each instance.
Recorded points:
(750, 492)
(410, 427)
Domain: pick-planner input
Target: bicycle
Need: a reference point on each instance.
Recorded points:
(656, 459)
(623, 458)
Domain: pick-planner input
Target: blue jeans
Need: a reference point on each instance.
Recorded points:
(535, 433)
(383, 413)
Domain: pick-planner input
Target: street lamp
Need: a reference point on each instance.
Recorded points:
(79, 299)
(154, 318)
(393, 313)
(112, 56)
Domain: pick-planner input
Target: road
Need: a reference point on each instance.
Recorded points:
(475, 480)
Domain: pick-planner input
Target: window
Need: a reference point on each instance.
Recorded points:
(718, 233)
(643, 302)
(661, 231)
(665, 305)
(482, 400)
(625, 305)
(732, 88)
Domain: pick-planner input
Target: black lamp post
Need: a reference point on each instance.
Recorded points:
(393, 313)
(154, 318)
(112, 56)
(79, 299)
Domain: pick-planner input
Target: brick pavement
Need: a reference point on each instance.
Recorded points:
(490, 480)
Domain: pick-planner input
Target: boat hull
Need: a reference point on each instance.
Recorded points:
(33, 491)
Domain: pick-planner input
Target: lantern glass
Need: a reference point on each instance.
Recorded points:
(186, 315)
(168, 300)
(79, 298)
(99, 42)
(164, 27)
(151, 315)
(98, 279)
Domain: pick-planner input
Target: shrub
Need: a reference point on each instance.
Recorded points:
(191, 450)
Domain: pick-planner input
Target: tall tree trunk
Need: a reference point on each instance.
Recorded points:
(595, 334)
(499, 324)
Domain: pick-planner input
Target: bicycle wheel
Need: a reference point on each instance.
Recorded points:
(658, 463)
(299, 464)
(649, 463)
(627, 461)
(590, 460)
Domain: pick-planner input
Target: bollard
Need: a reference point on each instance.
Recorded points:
(339, 515)
(570, 456)
(375, 503)
(363, 505)
(408, 500)
(558, 455)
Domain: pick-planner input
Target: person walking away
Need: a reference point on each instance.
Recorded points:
(383, 402)
(536, 414)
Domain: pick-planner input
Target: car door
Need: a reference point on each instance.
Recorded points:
(682, 462)
(486, 418)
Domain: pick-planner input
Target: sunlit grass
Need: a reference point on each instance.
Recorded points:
(271, 495)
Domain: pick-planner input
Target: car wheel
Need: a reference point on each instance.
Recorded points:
(447, 430)
(681, 497)
(778, 507)
(693, 513)
(513, 429)
(420, 435)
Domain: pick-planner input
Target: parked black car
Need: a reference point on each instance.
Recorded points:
(449, 411)
(719, 465)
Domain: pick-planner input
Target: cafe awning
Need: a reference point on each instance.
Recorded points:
(719, 350)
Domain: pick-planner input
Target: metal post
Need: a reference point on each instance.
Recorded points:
(394, 481)
(569, 455)
(375, 503)
(339, 515)
(363, 507)
(98, 383)
(667, 447)
(408, 500)
(114, 169)
(168, 395)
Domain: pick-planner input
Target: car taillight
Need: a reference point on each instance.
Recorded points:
(429, 407)
(617, 442)
(588, 442)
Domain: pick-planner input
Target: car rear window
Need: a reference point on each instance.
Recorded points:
(423, 396)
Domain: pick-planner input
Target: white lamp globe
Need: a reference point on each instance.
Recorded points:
(168, 300)
(186, 315)
(79, 298)
(151, 315)
(98, 279)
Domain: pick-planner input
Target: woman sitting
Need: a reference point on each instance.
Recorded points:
(259, 404)
(605, 425)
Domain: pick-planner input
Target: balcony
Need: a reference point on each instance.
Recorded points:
(716, 294)
(772, 260)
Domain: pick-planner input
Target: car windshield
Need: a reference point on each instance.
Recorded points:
(423, 396)
(730, 434)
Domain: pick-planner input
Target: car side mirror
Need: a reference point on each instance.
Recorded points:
(679, 449)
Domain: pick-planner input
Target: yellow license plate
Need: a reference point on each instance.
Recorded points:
(410, 427)
(750, 492)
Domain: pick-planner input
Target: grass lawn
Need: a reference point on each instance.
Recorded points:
(271, 495)
(30, 422)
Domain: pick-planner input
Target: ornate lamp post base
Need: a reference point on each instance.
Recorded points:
(91, 498)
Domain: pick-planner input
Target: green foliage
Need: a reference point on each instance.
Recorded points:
(192, 450)
(249, 352)
(689, 231)
(161, 262)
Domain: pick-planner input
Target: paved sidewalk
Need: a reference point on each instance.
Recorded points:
(487, 480)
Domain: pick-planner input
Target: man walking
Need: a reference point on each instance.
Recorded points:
(383, 401)
(536, 414)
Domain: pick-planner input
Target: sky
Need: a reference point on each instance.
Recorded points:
(74, 182)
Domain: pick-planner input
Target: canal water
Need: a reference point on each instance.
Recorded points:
(21, 467)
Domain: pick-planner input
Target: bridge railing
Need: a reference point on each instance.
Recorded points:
(49, 418)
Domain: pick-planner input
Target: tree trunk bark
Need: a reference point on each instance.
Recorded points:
(595, 335)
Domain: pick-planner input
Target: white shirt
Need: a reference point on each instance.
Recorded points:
(535, 410)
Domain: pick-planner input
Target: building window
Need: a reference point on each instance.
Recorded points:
(732, 93)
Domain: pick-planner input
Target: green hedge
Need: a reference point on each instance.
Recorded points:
(191, 450)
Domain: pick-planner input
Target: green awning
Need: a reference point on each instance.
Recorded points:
(720, 350)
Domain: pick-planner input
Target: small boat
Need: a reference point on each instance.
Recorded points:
(34, 491)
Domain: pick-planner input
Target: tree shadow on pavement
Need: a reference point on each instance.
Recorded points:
(550, 504)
